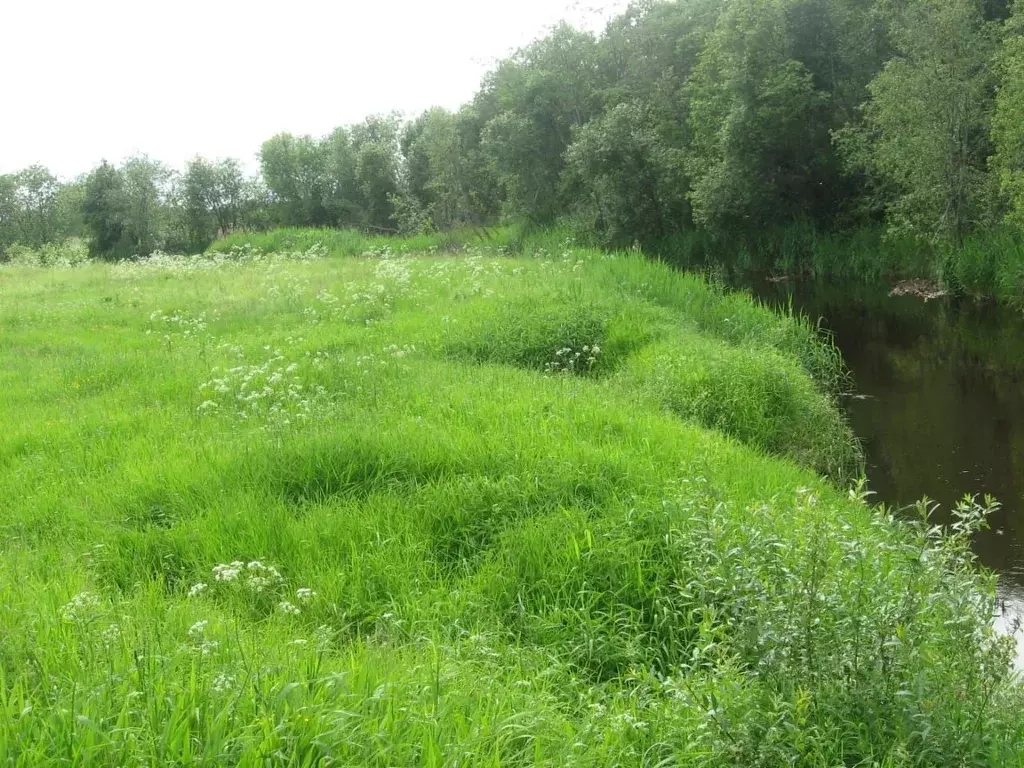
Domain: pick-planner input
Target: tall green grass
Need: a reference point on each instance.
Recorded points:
(303, 510)
(990, 265)
(865, 254)
(351, 242)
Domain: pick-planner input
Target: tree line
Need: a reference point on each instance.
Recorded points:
(725, 117)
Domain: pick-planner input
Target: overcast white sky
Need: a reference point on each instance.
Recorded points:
(84, 80)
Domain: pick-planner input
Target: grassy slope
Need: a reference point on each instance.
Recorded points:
(510, 564)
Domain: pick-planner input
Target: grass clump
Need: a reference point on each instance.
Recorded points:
(310, 509)
(761, 397)
(546, 331)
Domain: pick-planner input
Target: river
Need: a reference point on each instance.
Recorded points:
(938, 405)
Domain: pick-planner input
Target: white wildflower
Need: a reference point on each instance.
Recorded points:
(222, 683)
(323, 635)
(80, 607)
(227, 572)
(197, 589)
(258, 583)
(289, 608)
(207, 647)
(111, 634)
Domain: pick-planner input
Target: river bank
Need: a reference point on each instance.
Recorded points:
(937, 401)
(386, 509)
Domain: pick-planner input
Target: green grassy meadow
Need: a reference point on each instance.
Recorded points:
(446, 506)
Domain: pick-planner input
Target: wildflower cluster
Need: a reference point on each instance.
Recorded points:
(364, 302)
(197, 589)
(372, 364)
(198, 640)
(271, 390)
(176, 324)
(159, 262)
(254, 579)
(253, 575)
(222, 683)
(110, 636)
(569, 361)
(279, 281)
(318, 359)
(393, 270)
(467, 276)
(361, 304)
(81, 608)
(399, 352)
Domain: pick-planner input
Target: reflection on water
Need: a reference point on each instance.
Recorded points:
(939, 405)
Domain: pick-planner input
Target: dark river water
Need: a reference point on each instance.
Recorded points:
(939, 405)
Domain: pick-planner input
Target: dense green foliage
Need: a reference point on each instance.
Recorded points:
(693, 127)
(36, 209)
(925, 133)
(475, 509)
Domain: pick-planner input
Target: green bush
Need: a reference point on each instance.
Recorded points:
(70, 253)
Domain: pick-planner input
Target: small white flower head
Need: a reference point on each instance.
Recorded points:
(81, 607)
(197, 629)
(228, 572)
(111, 635)
(258, 583)
(197, 589)
(289, 608)
(305, 594)
(323, 635)
(207, 647)
(222, 683)
(262, 576)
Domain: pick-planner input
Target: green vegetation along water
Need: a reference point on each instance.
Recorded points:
(939, 403)
(568, 508)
